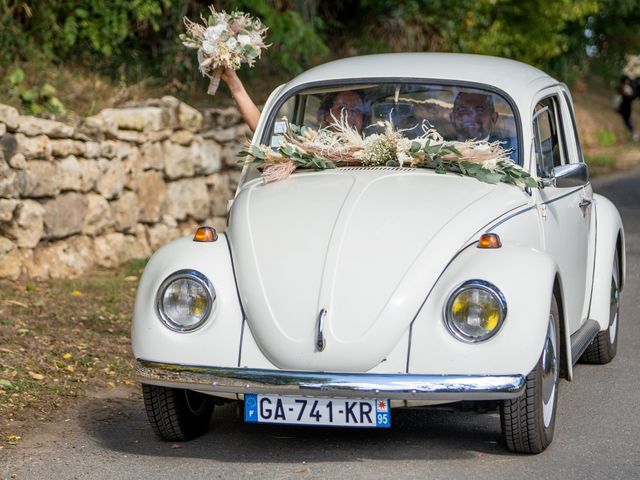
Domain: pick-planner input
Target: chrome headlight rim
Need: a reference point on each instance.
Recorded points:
(197, 277)
(474, 284)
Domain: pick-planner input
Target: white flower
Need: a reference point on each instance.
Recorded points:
(490, 164)
(232, 43)
(209, 47)
(213, 33)
(244, 39)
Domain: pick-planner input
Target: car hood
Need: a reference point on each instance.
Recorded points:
(366, 245)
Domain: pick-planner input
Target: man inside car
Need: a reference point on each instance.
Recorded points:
(474, 118)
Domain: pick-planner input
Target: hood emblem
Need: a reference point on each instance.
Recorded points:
(320, 341)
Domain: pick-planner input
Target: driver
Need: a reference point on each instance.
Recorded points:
(473, 116)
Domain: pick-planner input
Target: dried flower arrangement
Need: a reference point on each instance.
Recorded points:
(224, 41)
(339, 144)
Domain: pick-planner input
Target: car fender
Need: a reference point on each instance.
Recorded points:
(526, 278)
(217, 341)
(608, 229)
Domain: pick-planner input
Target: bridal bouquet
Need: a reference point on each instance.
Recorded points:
(224, 41)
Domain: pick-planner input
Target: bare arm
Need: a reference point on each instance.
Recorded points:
(247, 108)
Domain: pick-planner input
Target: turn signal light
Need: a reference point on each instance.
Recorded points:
(489, 240)
(205, 234)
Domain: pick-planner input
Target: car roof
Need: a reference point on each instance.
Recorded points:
(513, 77)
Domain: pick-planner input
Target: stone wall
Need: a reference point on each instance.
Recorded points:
(114, 187)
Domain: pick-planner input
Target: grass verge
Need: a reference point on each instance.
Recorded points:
(59, 339)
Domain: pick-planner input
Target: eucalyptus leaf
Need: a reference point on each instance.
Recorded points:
(256, 152)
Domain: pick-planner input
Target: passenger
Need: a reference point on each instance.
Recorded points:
(247, 108)
(348, 104)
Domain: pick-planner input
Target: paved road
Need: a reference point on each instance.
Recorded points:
(597, 432)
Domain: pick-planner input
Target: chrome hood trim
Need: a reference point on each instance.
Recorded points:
(278, 382)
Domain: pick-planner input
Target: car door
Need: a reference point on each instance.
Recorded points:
(565, 211)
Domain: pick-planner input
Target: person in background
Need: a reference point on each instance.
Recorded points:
(627, 94)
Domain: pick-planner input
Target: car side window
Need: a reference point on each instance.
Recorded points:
(549, 142)
(573, 125)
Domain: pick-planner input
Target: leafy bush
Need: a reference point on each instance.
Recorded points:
(34, 100)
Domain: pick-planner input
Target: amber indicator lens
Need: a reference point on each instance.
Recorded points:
(205, 234)
(489, 240)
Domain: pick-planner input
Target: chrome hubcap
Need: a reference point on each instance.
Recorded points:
(549, 372)
(613, 311)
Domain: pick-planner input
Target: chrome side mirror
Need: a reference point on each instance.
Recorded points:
(565, 176)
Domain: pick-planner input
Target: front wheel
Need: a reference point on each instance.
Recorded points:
(528, 421)
(176, 414)
(605, 345)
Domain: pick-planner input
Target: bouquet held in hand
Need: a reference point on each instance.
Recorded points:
(224, 41)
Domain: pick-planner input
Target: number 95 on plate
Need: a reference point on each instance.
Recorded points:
(330, 412)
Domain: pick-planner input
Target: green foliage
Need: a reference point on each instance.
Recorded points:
(133, 40)
(602, 161)
(533, 32)
(294, 32)
(606, 138)
(34, 100)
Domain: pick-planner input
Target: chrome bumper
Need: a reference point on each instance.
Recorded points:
(280, 382)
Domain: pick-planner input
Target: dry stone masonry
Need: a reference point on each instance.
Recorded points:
(114, 187)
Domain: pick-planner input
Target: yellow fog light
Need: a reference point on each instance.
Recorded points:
(475, 311)
(184, 300)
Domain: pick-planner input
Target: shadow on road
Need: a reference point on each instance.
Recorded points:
(120, 425)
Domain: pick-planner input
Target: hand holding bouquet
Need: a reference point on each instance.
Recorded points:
(224, 41)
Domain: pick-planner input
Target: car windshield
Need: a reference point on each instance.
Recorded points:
(456, 112)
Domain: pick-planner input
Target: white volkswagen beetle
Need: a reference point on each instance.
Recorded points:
(339, 294)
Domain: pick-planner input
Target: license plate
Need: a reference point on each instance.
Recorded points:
(339, 412)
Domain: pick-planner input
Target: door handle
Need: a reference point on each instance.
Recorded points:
(585, 203)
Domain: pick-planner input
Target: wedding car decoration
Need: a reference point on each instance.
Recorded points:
(335, 297)
(224, 40)
(339, 144)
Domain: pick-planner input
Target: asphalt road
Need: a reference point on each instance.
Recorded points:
(597, 431)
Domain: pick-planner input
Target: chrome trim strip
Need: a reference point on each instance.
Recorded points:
(560, 197)
(581, 339)
(279, 382)
(509, 217)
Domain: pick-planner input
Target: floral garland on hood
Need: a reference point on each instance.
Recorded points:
(224, 41)
(340, 144)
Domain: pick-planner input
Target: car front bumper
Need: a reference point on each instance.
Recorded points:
(279, 382)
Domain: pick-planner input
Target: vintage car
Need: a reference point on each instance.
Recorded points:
(339, 294)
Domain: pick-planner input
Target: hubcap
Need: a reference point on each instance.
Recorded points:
(613, 311)
(549, 372)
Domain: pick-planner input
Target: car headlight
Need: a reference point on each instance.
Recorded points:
(475, 311)
(185, 300)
